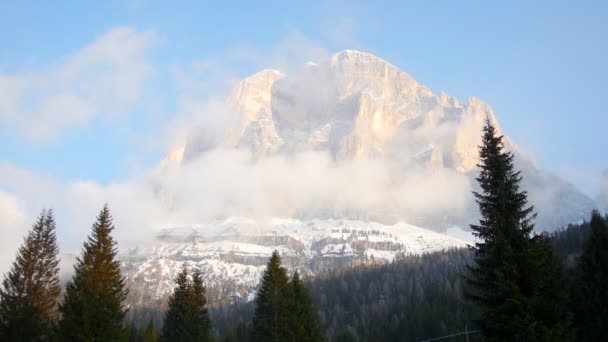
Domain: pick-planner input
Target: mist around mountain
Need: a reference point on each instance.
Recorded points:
(343, 162)
(349, 137)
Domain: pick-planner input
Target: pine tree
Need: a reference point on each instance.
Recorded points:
(30, 291)
(504, 278)
(271, 316)
(187, 318)
(549, 304)
(304, 320)
(202, 326)
(172, 327)
(93, 304)
(591, 287)
(149, 333)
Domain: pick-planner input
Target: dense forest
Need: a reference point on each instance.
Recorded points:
(411, 299)
(511, 284)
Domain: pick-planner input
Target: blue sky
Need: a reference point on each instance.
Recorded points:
(540, 64)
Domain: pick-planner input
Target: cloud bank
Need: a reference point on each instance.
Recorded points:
(101, 80)
(106, 78)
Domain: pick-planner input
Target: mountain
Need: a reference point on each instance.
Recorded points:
(232, 253)
(354, 108)
(357, 106)
(353, 105)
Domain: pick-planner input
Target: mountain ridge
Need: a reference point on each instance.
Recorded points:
(353, 113)
(355, 105)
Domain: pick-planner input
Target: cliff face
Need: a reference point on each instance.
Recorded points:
(232, 254)
(358, 106)
(352, 107)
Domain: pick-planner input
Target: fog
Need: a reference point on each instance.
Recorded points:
(218, 179)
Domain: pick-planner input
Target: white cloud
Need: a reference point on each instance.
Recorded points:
(103, 79)
(603, 192)
(287, 54)
(14, 228)
(232, 182)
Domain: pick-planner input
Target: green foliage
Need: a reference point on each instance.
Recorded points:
(271, 318)
(187, 318)
(145, 334)
(92, 308)
(505, 279)
(149, 334)
(412, 299)
(241, 332)
(549, 303)
(30, 291)
(303, 318)
(590, 302)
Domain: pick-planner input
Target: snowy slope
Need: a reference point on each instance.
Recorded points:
(352, 106)
(232, 254)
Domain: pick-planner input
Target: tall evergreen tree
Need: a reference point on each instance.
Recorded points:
(187, 318)
(149, 333)
(504, 278)
(202, 326)
(271, 316)
(30, 291)
(552, 319)
(173, 324)
(591, 287)
(304, 319)
(93, 304)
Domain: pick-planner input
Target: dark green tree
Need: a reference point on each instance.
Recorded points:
(504, 278)
(149, 333)
(304, 320)
(187, 318)
(30, 291)
(173, 329)
(552, 319)
(202, 323)
(591, 286)
(271, 317)
(93, 305)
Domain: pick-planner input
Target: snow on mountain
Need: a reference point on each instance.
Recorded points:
(355, 105)
(233, 253)
(351, 106)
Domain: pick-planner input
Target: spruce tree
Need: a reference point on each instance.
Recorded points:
(93, 305)
(187, 318)
(552, 319)
(173, 324)
(304, 321)
(30, 291)
(202, 326)
(504, 277)
(271, 317)
(591, 288)
(149, 333)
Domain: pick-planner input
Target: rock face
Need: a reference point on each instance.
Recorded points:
(352, 106)
(356, 105)
(232, 254)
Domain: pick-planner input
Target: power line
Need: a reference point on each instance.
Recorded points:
(467, 332)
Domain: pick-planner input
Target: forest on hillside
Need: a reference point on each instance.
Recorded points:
(411, 299)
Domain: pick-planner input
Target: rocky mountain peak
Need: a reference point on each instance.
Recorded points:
(355, 105)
